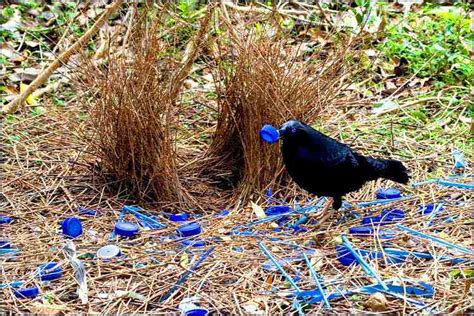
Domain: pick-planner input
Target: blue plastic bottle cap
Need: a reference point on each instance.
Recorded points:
(388, 193)
(87, 211)
(277, 210)
(269, 134)
(182, 217)
(197, 312)
(109, 252)
(29, 292)
(5, 244)
(193, 243)
(5, 219)
(49, 271)
(189, 229)
(126, 229)
(72, 227)
(344, 256)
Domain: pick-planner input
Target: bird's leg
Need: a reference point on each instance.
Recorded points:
(324, 212)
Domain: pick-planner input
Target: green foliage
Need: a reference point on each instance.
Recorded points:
(435, 43)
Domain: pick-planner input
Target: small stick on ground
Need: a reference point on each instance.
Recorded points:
(62, 59)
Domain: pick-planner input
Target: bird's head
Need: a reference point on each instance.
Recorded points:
(287, 130)
(291, 129)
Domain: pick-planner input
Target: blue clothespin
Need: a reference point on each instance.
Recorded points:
(440, 241)
(365, 266)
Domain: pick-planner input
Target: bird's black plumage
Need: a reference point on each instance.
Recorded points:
(326, 167)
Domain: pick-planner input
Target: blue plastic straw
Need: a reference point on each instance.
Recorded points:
(314, 275)
(434, 239)
(456, 184)
(279, 267)
(135, 211)
(14, 284)
(186, 274)
(365, 266)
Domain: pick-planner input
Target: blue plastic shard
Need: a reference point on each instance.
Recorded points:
(365, 266)
(150, 221)
(458, 156)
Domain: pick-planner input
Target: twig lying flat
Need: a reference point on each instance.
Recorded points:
(62, 59)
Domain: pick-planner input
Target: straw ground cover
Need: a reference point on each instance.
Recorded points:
(46, 174)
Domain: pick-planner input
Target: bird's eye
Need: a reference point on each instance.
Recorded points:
(293, 130)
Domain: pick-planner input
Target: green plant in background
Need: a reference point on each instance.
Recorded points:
(436, 44)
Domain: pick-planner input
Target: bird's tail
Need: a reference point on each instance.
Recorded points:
(390, 169)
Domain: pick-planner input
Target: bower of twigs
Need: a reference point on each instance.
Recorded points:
(262, 79)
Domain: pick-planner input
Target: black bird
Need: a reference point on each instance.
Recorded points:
(326, 167)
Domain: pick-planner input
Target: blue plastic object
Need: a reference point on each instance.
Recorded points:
(458, 157)
(269, 134)
(371, 231)
(388, 193)
(277, 210)
(5, 219)
(197, 312)
(365, 266)
(5, 244)
(87, 211)
(182, 217)
(72, 227)
(386, 217)
(193, 243)
(109, 252)
(190, 229)
(126, 229)
(223, 213)
(429, 208)
(30, 292)
(49, 271)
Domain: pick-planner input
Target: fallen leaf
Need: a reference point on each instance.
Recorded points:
(184, 260)
(31, 100)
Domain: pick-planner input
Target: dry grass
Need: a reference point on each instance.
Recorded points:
(266, 82)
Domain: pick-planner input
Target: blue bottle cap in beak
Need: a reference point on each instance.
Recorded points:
(269, 134)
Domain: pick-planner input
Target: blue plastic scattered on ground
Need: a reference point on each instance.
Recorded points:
(147, 221)
(86, 211)
(269, 134)
(186, 274)
(388, 193)
(5, 219)
(30, 292)
(49, 271)
(9, 251)
(182, 217)
(14, 284)
(190, 229)
(372, 231)
(458, 156)
(316, 278)
(437, 240)
(193, 243)
(197, 312)
(126, 229)
(5, 244)
(428, 208)
(109, 252)
(270, 266)
(72, 227)
(223, 213)
(365, 266)
(386, 217)
(383, 201)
